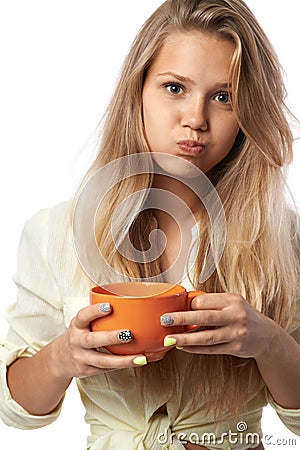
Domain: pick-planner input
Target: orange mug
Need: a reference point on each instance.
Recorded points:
(138, 306)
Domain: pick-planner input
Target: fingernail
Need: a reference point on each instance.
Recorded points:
(125, 336)
(169, 341)
(179, 348)
(104, 307)
(140, 360)
(166, 320)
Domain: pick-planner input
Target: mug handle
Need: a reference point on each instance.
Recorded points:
(190, 297)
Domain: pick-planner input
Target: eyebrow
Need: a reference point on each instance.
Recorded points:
(175, 75)
(188, 80)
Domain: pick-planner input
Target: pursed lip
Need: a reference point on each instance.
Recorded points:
(190, 146)
(190, 143)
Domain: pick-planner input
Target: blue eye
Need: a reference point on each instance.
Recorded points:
(223, 97)
(174, 88)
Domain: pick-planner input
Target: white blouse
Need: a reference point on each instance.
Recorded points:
(51, 289)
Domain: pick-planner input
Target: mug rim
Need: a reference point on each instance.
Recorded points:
(168, 289)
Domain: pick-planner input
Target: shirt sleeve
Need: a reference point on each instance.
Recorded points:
(34, 320)
(290, 417)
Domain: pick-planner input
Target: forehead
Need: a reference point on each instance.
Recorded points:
(194, 52)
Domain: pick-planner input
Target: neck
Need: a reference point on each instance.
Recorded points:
(183, 201)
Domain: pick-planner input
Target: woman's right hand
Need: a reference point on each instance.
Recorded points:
(38, 383)
(81, 352)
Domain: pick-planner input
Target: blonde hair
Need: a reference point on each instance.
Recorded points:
(260, 260)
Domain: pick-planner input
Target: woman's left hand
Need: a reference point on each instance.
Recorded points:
(235, 327)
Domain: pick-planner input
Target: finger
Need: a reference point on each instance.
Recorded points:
(86, 315)
(113, 362)
(213, 318)
(204, 338)
(95, 339)
(216, 301)
(219, 349)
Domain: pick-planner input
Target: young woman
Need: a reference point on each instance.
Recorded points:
(200, 89)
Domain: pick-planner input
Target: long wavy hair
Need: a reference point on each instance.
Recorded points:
(260, 259)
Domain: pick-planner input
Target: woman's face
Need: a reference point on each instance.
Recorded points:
(186, 100)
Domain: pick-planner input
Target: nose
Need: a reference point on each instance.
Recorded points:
(194, 115)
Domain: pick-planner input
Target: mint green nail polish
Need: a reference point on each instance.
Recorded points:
(140, 360)
(168, 341)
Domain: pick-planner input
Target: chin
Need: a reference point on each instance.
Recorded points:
(177, 165)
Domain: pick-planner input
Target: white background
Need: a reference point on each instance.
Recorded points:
(59, 61)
